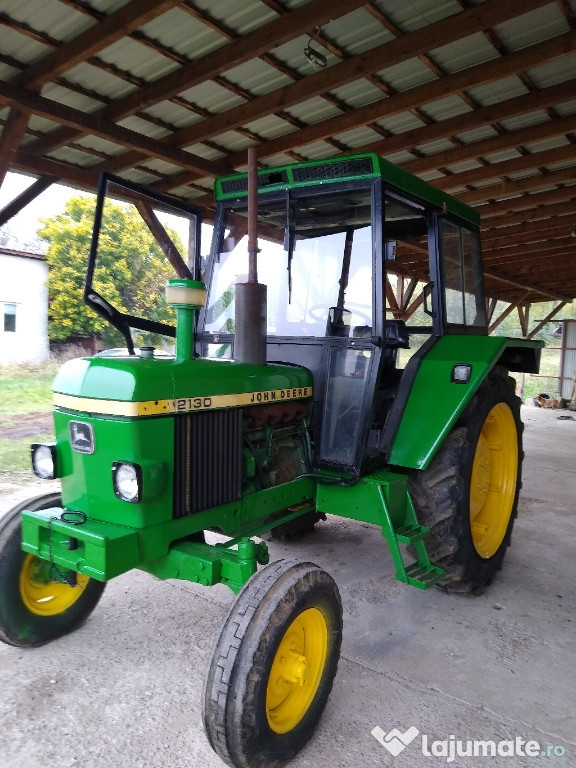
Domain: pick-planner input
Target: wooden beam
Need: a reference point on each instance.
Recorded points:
(388, 54)
(391, 298)
(496, 225)
(418, 301)
(524, 249)
(519, 105)
(523, 317)
(112, 28)
(395, 51)
(475, 76)
(558, 126)
(82, 178)
(527, 184)
(504, 168)
(262, 40)
(407, 292)
(507, 312)
(29, 101)
(547, 319)
(163, 239)
(539, 100)
(528, 205)
(490, 307)
(527, 232)
(510, 280)
(11, 138)
(24, 198)
(537, 264)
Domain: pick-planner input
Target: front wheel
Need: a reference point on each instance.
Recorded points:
(34, 607)
(468, 496)
(274, 665)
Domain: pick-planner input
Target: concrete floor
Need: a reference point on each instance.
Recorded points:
(126, 689)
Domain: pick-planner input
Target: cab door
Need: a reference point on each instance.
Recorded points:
(351, 377)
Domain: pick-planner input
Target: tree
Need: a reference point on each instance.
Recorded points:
(131, 270)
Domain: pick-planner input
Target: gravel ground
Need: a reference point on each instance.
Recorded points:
(126, 688)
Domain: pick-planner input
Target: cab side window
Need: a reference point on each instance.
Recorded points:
(464, 303)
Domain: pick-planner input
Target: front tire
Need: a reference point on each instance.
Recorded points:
(274, 665)
(35, 609)
(468, 496)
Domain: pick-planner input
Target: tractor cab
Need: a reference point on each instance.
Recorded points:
(365, 268)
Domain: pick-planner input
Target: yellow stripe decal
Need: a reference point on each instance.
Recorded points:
(180, 405)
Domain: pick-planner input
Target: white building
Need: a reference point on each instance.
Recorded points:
(23, 306)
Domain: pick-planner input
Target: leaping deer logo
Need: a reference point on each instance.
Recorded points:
(81, 436)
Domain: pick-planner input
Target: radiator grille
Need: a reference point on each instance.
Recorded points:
(207, 460)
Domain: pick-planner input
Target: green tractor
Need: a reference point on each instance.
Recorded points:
(366, 387)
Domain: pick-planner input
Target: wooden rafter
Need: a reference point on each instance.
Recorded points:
(547, 319)
(199, 71)
(509, 309)
(94, 39)
(24, 198)
(11, 138)
(511, 157)
(38, 105)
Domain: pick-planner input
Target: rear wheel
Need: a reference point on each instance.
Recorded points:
(36, 608)
(274, 665)
(468, 496)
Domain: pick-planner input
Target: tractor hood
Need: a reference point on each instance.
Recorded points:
(138, 386)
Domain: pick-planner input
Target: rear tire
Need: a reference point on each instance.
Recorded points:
(468, 496)
(273, 665)
(34, 609)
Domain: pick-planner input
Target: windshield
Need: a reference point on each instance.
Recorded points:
(315, 258)
(140, 241)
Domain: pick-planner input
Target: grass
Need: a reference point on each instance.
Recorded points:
(15, 454)
(26, 389)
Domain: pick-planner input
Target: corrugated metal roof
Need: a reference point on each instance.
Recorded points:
(410, 16)
(182, 33)
(257, 77)
(212, 79)
(531, 27)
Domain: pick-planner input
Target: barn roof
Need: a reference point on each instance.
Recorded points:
(477, 98)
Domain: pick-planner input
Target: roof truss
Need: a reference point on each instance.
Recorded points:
(478, 99)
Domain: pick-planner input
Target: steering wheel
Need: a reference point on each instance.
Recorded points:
(319, 313)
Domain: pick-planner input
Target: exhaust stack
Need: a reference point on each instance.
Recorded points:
(250, 303)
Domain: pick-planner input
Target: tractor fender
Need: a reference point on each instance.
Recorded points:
(437, 398)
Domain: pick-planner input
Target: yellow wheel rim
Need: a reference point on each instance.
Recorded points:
(493, 481)
(296, 670)
(41, 595)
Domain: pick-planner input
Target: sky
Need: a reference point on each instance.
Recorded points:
(50, 203)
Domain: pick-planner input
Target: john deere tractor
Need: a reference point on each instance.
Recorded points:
(330, 356)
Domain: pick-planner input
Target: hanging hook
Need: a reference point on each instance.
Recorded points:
(317, 59)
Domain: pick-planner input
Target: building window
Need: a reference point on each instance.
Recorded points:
(10, 318)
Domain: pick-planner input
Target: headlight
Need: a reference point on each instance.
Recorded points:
(127, 481)
(461, 373)
(44, 460)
